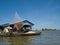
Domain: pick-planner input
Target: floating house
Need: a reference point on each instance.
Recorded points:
(24, 28)
(20, 26)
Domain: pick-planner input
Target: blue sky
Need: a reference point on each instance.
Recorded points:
(43, 13)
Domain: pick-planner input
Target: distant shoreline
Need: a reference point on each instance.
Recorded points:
(48, 29)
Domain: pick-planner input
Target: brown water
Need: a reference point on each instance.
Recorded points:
(46, 38)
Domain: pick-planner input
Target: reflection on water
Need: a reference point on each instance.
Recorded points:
(46, 38)
(22, 40)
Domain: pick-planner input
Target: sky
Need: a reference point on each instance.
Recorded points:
(43, 13)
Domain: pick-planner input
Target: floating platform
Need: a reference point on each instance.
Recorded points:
(29, 33)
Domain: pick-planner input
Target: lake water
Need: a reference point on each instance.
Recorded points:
(46, 38)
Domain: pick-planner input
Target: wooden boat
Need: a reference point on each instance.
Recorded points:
(29, 33)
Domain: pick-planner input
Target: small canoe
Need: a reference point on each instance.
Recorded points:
(29, 33)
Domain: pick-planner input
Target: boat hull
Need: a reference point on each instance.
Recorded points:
(22, 34)
(30, 34)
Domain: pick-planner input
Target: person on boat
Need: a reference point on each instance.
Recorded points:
(14, 29)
